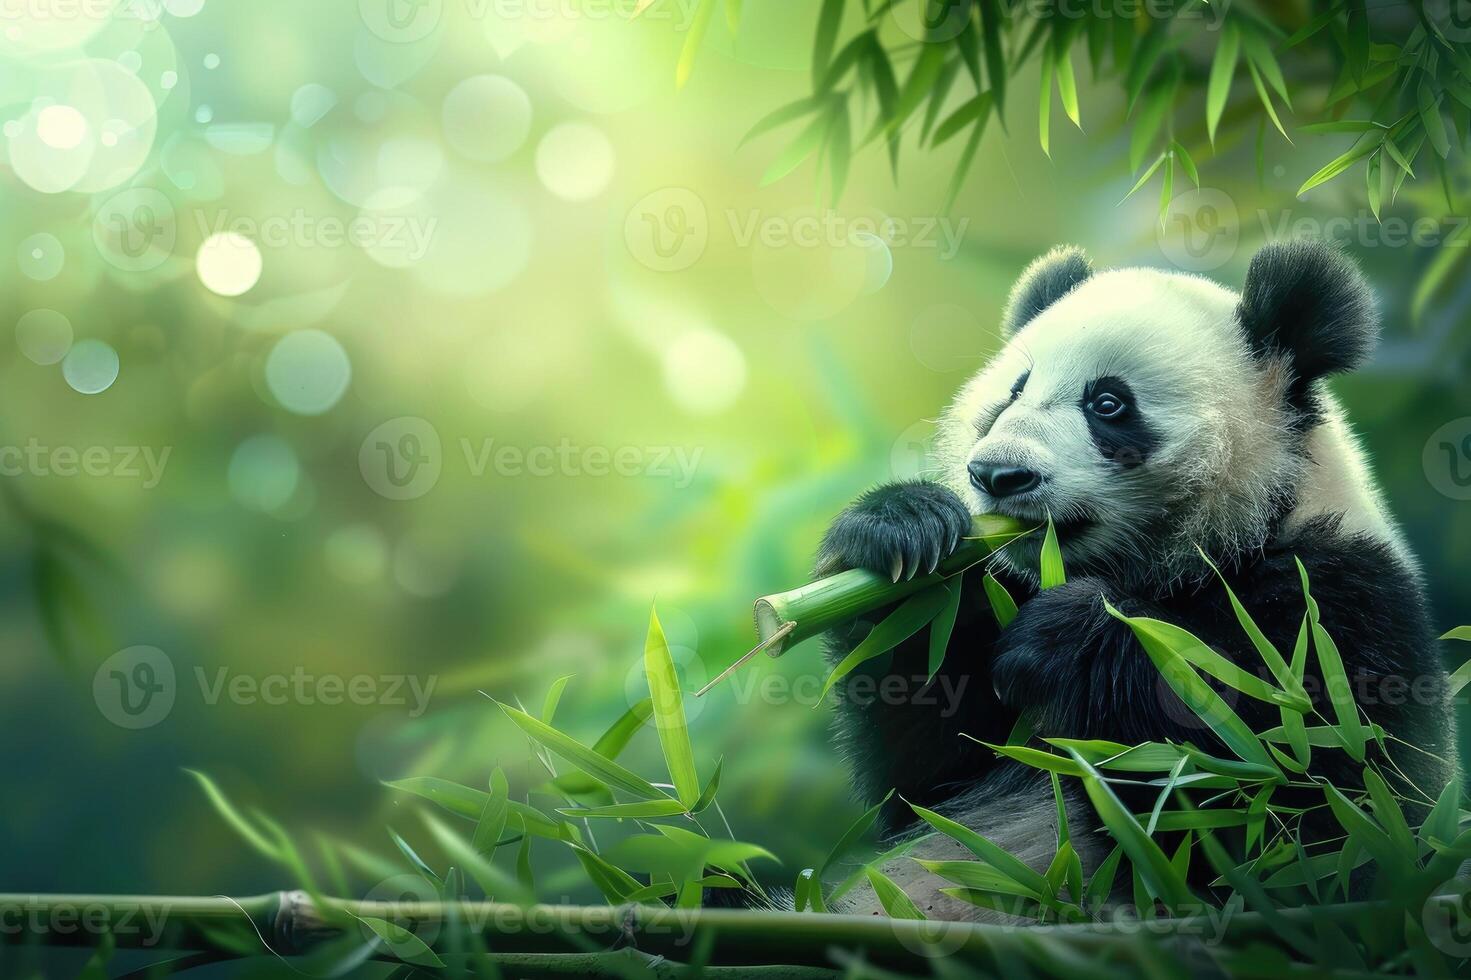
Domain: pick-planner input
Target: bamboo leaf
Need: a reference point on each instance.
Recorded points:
(1373, 183)
(1260, 53)
(790, 112)
(495, 882)
(996, 68)
(492, 821)
(852, 836)
(669, 719)
(1431, 119)
(977, 874)
(1003, 606)
(1390, 816)
(984, 849)
(972, 111)
(1044, 102)
(1052, 572)
(692, 41)
(1218, 86)
(615, 884)
(1163, 649)
(404, 945)
(897, 627)
(1266, 100)
(1187, 162)
(1067, 86)
(1286, 679)
(1144, 854)
(896, 904)
(584, 758)
(825, 39)
(943, 625)
(609, 745)
(711, 788)
(1335, 679)
(643, 808)
(234, 818)
(1158, 162)
(791, 156)
(1339, 164)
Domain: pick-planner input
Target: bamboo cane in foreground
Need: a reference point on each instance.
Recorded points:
(599, 941)
(785, 619)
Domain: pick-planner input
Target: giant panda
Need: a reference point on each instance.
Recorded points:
(1149, 413)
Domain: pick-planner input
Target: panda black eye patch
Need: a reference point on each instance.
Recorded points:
(1119, 429)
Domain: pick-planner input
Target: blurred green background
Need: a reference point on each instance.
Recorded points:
(432, 343)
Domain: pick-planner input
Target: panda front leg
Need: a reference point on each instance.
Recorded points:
(1080, 673)
(899, 729)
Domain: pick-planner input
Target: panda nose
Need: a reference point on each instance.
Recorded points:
(1003, 481)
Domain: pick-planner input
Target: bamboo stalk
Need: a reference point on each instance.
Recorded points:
(785, 619)
(558, 940)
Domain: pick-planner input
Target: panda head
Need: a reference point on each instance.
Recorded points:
(1148, 412)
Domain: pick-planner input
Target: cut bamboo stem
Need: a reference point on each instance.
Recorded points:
(553, 940)
(785, 619)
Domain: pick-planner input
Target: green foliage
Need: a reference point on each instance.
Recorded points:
(1179, 68)
(670, 858)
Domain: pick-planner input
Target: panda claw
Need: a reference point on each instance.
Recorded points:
(897, 569)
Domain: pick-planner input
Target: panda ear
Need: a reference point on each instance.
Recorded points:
(1045, 281)
(1309, 302)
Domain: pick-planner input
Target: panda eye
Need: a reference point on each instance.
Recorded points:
(1021, 383)
(1107, 406)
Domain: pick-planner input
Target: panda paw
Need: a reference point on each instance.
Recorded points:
(1041, 657)
(898, 530)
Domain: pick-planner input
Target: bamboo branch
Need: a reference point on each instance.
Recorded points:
(569, 940)
(785, 619)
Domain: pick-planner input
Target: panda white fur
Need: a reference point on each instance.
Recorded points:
(1149, 413)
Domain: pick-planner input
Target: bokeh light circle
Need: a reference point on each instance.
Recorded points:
(575, 161)
(61, 127)
(308, 372)
(704, 371)
(264, 474)
(880, 261)
(808, 264)
(41, 256)
(90, 367)
(477, 239)
(43, 336)
(486, 117)
(228, 263)
(357, 554)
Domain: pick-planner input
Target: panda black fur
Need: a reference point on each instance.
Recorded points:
(1149, 412)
